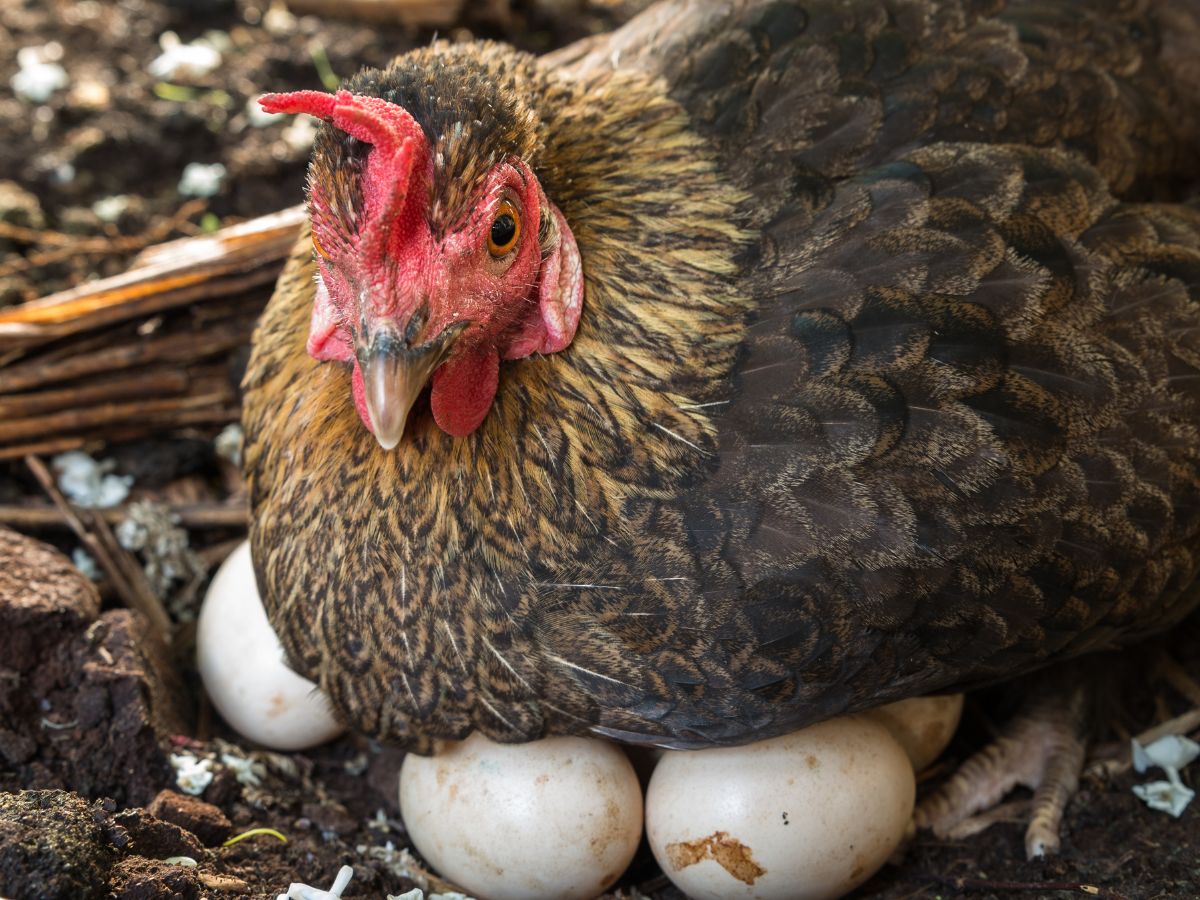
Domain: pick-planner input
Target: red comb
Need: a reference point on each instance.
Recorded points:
(397, 140)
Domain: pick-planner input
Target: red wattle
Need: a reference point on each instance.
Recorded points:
(463, 390)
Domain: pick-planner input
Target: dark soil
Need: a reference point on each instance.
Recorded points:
(92, 706)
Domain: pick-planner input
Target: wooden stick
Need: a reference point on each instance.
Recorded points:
(154, 383)
(134, 592)
(195, 516)
(181, 272)
(1182, 724)
(41, 448)
(178, 348)
(73, 420)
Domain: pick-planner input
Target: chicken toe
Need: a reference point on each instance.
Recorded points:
(1042, 748)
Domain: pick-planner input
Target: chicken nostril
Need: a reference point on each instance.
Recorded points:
(416, 324)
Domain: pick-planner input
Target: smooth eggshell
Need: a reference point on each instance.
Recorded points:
(242, 665)
(559, 817)
(804, 816)
(922, 725)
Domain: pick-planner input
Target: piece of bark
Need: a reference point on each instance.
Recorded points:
(172, 275)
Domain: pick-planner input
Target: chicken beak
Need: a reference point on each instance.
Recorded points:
(394, 373)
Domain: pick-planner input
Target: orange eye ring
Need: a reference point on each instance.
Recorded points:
(317, 246)
(505, 230)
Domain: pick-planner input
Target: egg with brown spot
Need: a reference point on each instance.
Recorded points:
(805, 816)
(555, 818)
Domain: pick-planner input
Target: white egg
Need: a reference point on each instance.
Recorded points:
(242, 665)
(804, 816)
(555, 818)
(922, 725)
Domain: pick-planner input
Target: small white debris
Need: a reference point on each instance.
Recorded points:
(1174, 751)
(246, 771)
(89, 483)
(64, 173)
(109, 209)
(418, 894)
(181, 861)
(257, 116)
(153, 530)
(298, 891)
(191, 774)
(1166, 796)
(183, 61)
(38, 74)
(1170, 753)
(228, 444)
(201, 179)
(85, 564)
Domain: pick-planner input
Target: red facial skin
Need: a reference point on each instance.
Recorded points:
(512, 305)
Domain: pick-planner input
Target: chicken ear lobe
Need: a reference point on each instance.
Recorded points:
(559, 292)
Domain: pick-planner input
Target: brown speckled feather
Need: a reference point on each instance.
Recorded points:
(888, 381)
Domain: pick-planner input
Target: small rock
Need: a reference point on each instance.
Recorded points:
(202, 819)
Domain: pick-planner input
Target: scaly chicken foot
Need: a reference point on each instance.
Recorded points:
(1042, 748)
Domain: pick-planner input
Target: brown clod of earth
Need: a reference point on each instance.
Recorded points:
(155, 839)
(54, 844)
(202, 819)
(43, 598)
(733, 856)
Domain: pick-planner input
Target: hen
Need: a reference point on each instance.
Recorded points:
(785, 359)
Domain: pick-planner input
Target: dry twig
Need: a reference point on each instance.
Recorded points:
(194, 516)
(122, 570)
(1042, 887)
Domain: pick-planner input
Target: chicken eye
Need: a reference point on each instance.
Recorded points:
(506, 228)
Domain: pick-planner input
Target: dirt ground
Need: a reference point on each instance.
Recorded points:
(92, 706)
